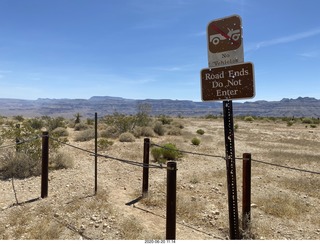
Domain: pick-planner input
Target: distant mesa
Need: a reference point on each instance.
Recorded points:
(103, 105)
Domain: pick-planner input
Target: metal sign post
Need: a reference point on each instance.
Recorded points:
(220, 83)
(231, 170)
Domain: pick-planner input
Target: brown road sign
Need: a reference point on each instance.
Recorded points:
(225, 41)
(228, 83)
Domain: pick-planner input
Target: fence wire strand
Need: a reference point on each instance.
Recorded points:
(286, 167)
(187, 152)
(21, 142)
(130, 162)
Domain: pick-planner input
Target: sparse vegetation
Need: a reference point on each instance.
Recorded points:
(200, 131)
(85, 135)
(126, 137)
(285, 201)
(195, 141)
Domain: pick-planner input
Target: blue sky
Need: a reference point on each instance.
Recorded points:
(151, 48)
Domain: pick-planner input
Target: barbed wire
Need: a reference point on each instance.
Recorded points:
(111, 157)
(182, 151)
(134, 163)
(286, 167)
(36, 137)
(239, 158)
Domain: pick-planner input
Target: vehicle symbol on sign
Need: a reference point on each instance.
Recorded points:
(233, 34)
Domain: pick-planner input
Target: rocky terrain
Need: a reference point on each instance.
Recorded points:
(285, 202)
(300, 107)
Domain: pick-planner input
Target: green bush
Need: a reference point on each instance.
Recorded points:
(104, 143)
(170, 152)
(195, 141)
(156, 153)
(126, 137)
(200, 131)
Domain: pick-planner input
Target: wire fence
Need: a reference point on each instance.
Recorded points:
(158, 166)
(136, 163)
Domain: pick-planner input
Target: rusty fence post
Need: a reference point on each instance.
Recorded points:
(45, 164)
(145, 176)
(171, 200)
(246, 192)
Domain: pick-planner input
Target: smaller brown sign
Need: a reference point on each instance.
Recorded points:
(228, 83)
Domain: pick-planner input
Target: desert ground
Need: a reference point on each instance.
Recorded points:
(285, 202)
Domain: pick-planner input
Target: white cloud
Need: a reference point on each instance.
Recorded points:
(285, 39)
(311, 54)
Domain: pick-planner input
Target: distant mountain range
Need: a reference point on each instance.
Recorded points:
(103, 105)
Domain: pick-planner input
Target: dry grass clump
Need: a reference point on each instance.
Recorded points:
(19, 165)
(303, 185)
(85, 135)
(132, 229)
(61, 160)
(126, 137)
(282, 205)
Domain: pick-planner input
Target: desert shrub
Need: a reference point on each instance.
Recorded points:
(121, 122)
(178, 124)
(53, 123)
(143, 131)
(142, 118)
(248, 119)
(61, 160)
(174, 131)
(170, 152)
(289, 123)
(200, 131)
(156, 153)
(110, 132)
(158, 128)
(18, 118)
(126, 137)
(313, 126)
(59, 131)
(19, 165)
(90, 121)
(104, 143)
(165, 120)
(85, 135)
(36, 123)
(195, 141)
(80, 126)
(28, 155)
(307, 121)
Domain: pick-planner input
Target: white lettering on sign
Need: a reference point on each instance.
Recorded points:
(229, 86)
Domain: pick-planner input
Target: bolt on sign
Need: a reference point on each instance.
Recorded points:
(228, 82)
(224, 38)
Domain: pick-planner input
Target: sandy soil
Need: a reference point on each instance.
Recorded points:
(285, 203)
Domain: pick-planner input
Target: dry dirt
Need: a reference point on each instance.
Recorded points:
(285, 202)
